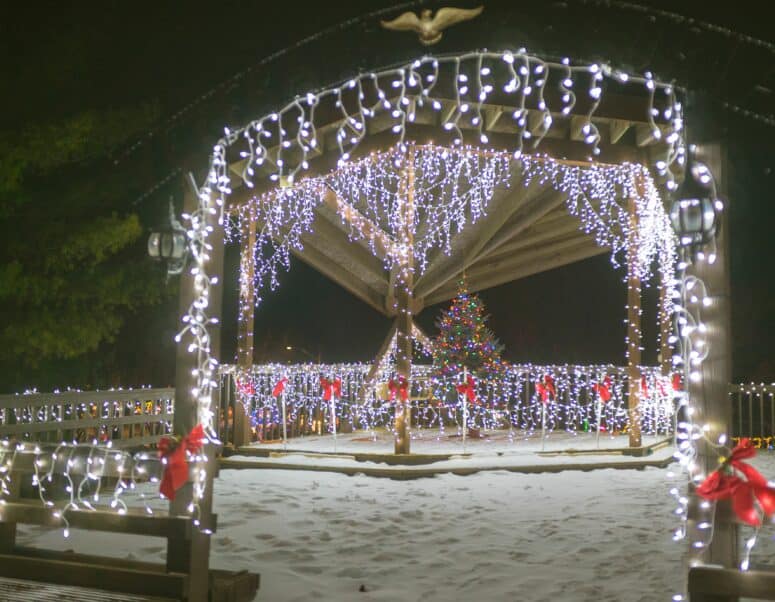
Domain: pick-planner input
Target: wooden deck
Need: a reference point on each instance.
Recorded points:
(16, 590)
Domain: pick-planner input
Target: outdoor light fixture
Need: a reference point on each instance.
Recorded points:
(169, 245)
(694, 214)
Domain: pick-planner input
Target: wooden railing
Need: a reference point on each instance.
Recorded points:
(127, 418)
(753, 412)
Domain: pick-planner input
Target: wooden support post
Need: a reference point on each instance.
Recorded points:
(404, 285)
(247, 306)
(192, 555)
(633, 328)
(665, 328)
(709, 394)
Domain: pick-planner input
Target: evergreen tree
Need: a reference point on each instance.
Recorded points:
(464, 339)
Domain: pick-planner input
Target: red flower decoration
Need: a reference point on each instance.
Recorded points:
(676, 381)
(468, 389)
(644, 387)
(175, 460)
(723, 483)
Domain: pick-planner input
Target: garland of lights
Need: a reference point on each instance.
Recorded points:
(398, 92)
(509, 400)
(369, 189)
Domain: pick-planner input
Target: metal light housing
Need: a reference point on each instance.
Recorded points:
(170, 244)
(694, 214)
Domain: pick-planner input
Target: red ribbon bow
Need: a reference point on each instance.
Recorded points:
(279, 387)
(468, 389)
(644, 388)
(175, 460)
(246, 387)
(331, 387)
(676, 381)
(546, 389)
(723, 483)
(401, 387)
(603, 389)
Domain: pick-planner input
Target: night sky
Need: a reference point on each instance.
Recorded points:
(59, 58)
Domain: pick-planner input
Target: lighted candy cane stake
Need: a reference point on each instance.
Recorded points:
(331, 389)
(279, 390)
(546, 391)
(603, 391)
(467, 389)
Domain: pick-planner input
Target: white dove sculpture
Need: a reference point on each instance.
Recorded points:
(429, 29)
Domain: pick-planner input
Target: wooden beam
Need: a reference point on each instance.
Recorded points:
(347, 280)
(709, 397)
(617, 128)
(535, 237)
(384, 350)
(644, 135)
(713, 584)
(633, 330)
(330, 239)
(467, 244)
(520, 268)
(247, 304)
(383, 243)
(404, 318)
(527, 215)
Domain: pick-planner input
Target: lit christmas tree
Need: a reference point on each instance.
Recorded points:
(465, 340)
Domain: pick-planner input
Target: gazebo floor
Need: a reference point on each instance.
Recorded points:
(371, 454)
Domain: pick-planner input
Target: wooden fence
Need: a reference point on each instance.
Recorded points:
(127, 418)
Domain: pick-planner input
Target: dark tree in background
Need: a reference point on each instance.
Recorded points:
(72, 266)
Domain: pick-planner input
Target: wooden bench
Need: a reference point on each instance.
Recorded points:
(715, 584)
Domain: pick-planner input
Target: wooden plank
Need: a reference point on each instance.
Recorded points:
(467, 244)
(132, 522)
(17, 590)
(709, 394)
(111, 578)
(84, 397)
(72, 425)
(713, 584)
(527, 215)
(617, 128)
(633, 328)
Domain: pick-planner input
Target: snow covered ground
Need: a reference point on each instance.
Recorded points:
(603, 535)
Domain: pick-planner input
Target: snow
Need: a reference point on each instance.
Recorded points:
(495, 535)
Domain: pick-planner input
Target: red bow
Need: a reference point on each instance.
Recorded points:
(723, 483)
(546, 389)
(246, 387)
(676, 381)
(468, 389)
(644, 387)
(175, 460)
(603, 389)
(279, 387)
(401, 387)
(331, 387)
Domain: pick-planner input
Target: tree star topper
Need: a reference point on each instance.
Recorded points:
(429, 29)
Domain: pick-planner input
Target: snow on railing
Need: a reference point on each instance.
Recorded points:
(125, 417)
